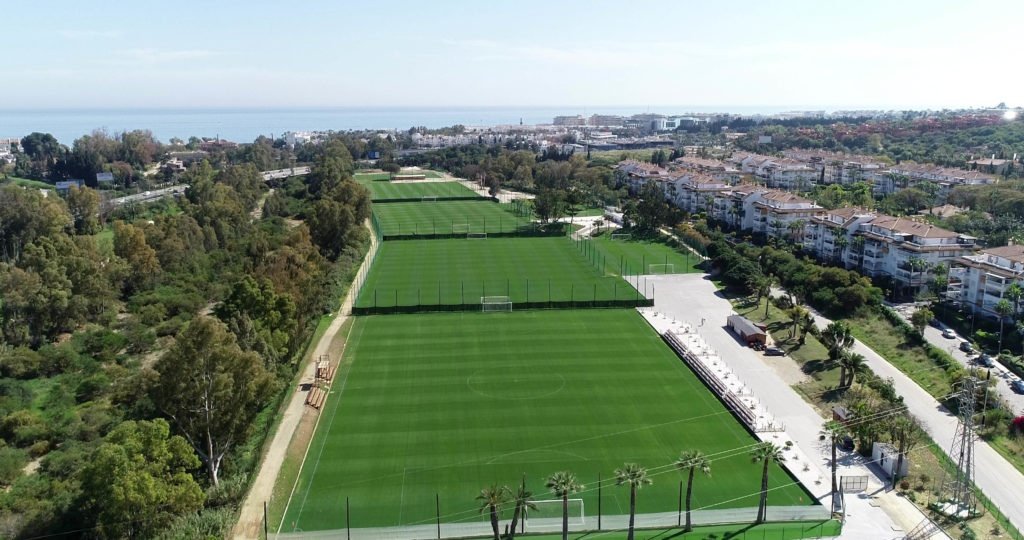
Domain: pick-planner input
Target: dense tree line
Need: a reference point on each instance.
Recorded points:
(107, 330)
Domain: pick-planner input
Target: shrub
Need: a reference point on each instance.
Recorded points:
(12, 461)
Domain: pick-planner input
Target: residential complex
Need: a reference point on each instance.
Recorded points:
(979, 281)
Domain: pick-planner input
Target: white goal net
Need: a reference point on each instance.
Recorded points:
(495, 303)
(476, 235)
(661, 268)
(548, 515)
(621, 236)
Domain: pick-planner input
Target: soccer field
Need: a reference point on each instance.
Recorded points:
(638, 256)
(447, 217)
(383, 189)
(446, 404)
(460, 271)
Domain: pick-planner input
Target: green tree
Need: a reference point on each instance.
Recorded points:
(130, 244)
(906, 433)
(766, 453)
(25, 215)
(833, 430)
(1014, 293)
(920, 319)
(548, 204)
(692, 461)
(635, 477)
(562, 484)
(523, 499)
(492, 498)
(84, 205)
(211, 389)
(1003, 309)
(851, 364)
(138, 480)
(651, 210)
(836, 337)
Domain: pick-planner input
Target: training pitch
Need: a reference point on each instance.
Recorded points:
(416, 191)
(632, 256)
(461, 271)
(447, 217)
(446, 404)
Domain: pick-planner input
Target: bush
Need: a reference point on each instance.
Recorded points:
(102, 344)
(12, 461)
(91, 387)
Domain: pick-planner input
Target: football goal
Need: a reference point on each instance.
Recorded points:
(621, 236)
(476, 235)
(661, 268)
(548, 515)
(428, 198)
(495, 304)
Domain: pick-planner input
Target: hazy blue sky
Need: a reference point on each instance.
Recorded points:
(821, 53)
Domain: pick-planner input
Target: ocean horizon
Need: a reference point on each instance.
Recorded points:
(246, 124)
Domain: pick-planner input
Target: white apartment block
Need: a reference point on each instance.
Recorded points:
(878, 245)
(717, 169)
(980, 281)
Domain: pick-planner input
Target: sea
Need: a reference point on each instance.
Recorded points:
(246, 124)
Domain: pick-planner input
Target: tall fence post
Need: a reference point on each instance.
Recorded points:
(437, 513)
(348, 521)
(679, 516)
(599, 501)
(266, 527)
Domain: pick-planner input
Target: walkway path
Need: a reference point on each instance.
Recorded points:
(250, 521)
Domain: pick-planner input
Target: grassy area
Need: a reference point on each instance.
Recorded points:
(446, 404)
(639, 256)
(611, 157)
(447, 217)
(25, 182)
(885, 339)
(459, 271)
(414, 191)
(765, 531)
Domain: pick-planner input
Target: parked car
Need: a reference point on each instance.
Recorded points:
(949, 333)
(774, 351)
(1018, 386)
(985, 360)
(966, 347)
(935, 323)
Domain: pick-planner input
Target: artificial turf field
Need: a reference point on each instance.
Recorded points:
(415, 191)
(447, 217)
(461, 270)
(447, 404)
(636, 255)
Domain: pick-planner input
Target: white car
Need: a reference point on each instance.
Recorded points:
(949, 334)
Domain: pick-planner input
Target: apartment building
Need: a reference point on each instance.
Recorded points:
(837, 167)
(979, 281)
(772, 212)
(782, 173)
(897, 177)
(717, 169)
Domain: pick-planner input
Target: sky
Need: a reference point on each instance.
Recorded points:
(318, 53)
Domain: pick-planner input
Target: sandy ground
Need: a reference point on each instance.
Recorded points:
(250, 521)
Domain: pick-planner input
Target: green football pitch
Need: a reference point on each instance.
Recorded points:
(638, 256)
(415, 191)
(446, 404)
(447, 217)
(462, 270)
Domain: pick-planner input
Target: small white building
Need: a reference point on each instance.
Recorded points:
(886, 456)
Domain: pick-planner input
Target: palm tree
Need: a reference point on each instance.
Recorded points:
(491, 499)
(523, 500)
(636, 477)
(906, 431)
(807, 325)
(858, 244)
(837, 338)
(561, 484)
(841, 242)
(833, 430)
(1004, 309)
(766, 284)
(776, 226)
(766, 453)
(1014, 293)
(796, 231)
(797, 315)
(692, 460)
(851, 365)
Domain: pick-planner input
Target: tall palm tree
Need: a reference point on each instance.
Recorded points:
(562, 484)
(491, 499)
(1004, 309)
(523, 500)
(906, 432)
(766, 453)
(858, 244)
(833, 430)
(692, 460)
(807, 325)
(852, 364)
(837, 338)
(766, 285)
(1014, 293)
(841, 242)
(797, 314)
(635, 477)
(796, 230)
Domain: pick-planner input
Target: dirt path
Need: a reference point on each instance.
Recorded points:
(250, 520)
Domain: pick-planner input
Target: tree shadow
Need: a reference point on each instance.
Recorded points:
(815, 366)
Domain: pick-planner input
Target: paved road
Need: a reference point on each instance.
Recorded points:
(692, 298)
(996, 477)
(150, 195)
(285, 173)
(1000, 374)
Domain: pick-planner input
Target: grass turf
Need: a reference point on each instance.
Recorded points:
(414, 191)
(636, 255)
(447, 404)
(446, 217)
(457, 271)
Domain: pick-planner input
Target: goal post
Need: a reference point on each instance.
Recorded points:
(548, 515)
(494, 304)
(476, 235)
(661, 268)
